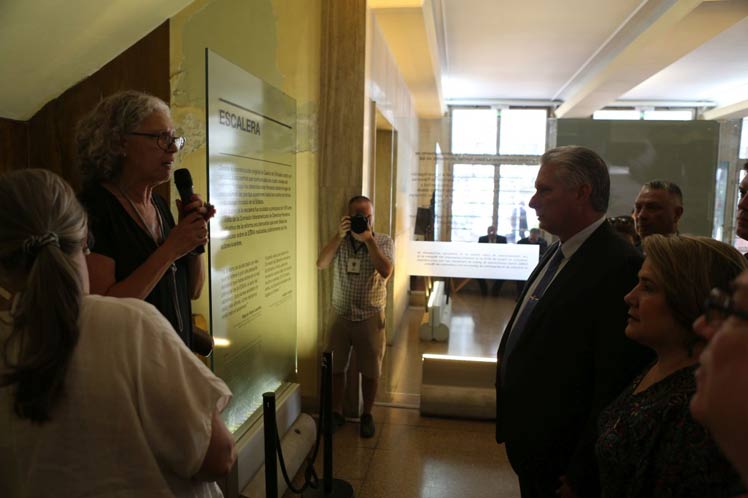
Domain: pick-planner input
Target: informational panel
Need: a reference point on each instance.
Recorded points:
(684, 152)
(252, 183)
(472, 260)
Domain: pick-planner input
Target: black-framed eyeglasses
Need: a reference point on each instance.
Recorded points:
(163, 140)
(720, 305)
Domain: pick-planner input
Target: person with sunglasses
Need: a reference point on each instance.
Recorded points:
(648, 443)
(126, 148)
(721, 399)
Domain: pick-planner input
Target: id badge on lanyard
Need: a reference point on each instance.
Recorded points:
(354, 265)
(354, 262)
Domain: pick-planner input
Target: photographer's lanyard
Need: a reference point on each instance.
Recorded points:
(353, 245)
(354, 262)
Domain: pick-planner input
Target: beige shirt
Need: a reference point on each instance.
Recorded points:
(135, 421)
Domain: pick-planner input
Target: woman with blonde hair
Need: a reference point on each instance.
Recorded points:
(648, 443)
(98, 396)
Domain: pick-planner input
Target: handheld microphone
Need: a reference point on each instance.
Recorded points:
(183, 182)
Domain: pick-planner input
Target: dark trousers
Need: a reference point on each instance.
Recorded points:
(536, 479)
(533, 486)
(495, 289)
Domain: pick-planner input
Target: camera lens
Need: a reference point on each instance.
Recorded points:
(359, 223)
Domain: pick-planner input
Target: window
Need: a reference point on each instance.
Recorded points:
(743, 152)
(740, 244)
(620, 114)
(494, 194)
(649, 114)
(472, 201)
(516, 187)
(474, 131)
(669, 115)
(720, 197)
(523, 132)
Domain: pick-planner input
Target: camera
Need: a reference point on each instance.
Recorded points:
(359, 223)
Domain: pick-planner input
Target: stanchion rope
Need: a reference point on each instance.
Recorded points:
(311, 480)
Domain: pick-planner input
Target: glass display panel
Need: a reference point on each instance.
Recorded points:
(252, 183)
(684, 152)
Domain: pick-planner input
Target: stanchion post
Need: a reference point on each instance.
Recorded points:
(331, 488)
(327, 421)
(271, 450)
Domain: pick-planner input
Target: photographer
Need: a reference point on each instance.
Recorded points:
(362, 264)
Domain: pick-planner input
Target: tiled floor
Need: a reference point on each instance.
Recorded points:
(420, 457)
(475, 330)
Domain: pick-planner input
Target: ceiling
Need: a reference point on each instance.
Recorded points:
(582, 55)
(576, 55)
(717, 71)
(47, 46)
(523, 49)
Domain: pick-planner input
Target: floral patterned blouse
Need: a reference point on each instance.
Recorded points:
(649, 446)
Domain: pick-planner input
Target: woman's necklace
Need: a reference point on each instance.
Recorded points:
(155, 237)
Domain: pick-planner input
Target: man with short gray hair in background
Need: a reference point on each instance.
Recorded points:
(564, 355)
(658, 208)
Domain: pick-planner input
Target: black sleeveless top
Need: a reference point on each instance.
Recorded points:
(117, 236)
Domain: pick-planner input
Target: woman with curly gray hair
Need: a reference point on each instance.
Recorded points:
(126, 147)
(98, 396)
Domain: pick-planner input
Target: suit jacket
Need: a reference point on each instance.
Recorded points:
(499, 239)
(571, 361)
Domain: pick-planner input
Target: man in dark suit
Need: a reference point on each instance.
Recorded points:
(564, 355)
(491, 238)
(533, 238)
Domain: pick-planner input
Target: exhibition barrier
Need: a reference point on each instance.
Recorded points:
(312, 488)
(458, 386)
(435, 326)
